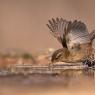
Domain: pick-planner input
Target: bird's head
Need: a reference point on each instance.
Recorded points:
(60, 55)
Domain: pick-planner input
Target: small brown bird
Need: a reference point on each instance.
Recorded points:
(75, 39)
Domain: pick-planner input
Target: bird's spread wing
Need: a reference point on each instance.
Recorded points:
(57, 29)
(78, 26)
(60, 28)
(79, 32)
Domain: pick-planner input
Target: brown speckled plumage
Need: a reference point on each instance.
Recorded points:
(74, 37)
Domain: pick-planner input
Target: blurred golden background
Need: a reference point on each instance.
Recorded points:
(23, 22)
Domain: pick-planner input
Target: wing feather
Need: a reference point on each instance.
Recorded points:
(60, 27)
(57, 27)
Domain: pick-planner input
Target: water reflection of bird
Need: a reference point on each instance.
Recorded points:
(74, 37)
